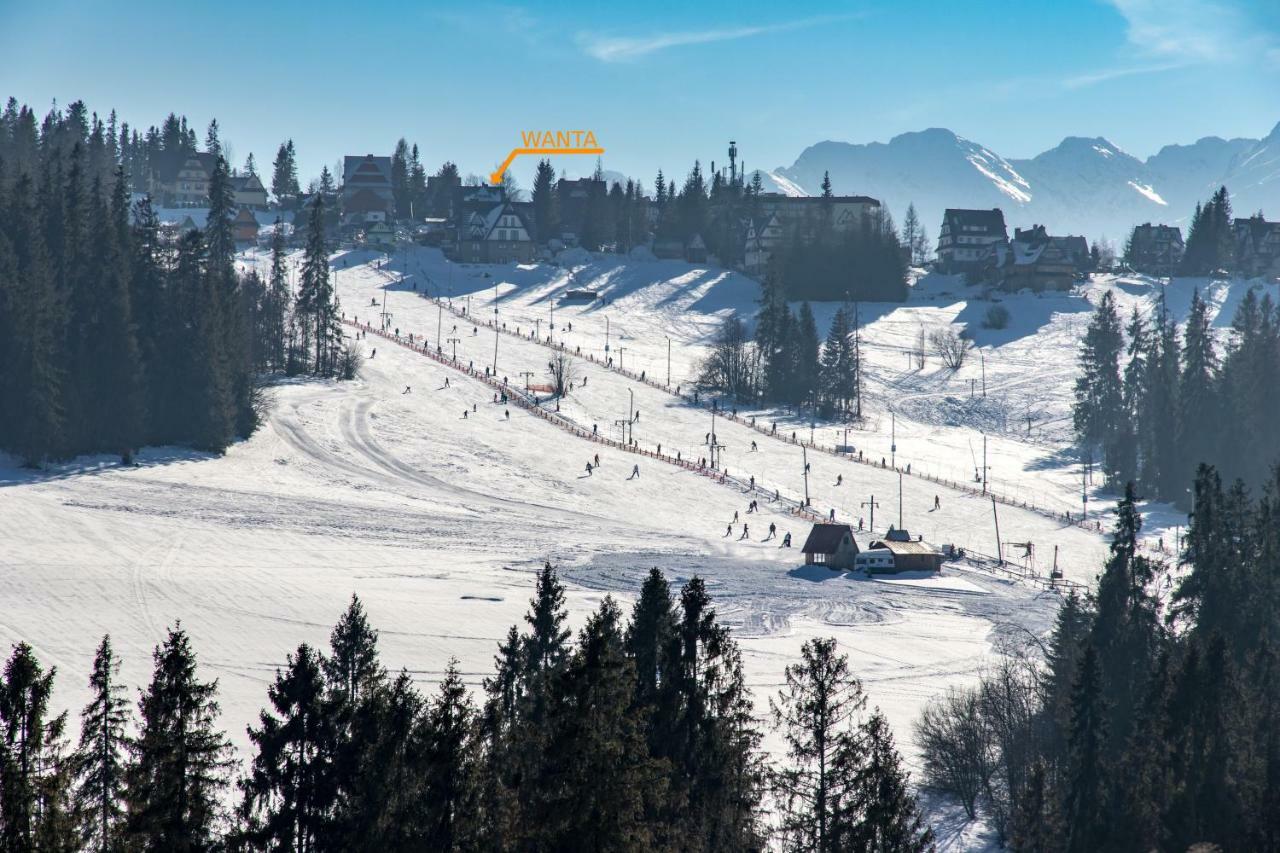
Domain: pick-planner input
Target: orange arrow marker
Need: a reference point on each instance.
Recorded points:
(496, 176)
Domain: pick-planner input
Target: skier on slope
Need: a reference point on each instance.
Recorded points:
(588, 467)
(635, 471)
(744, 533)
(773, 529)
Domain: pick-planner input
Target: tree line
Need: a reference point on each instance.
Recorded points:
(1152, 719)
(638, 735)
(118, 332)
(1151, 402)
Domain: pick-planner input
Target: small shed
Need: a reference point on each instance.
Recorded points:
(831, 545)
(909, 555)
(245, 226)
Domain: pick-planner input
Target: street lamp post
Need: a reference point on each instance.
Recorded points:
(668, 337)
(454, 341)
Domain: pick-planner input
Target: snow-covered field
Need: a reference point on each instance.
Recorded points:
(437, 521)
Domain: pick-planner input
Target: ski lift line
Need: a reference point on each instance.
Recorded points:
(634, 376)
(525, 401)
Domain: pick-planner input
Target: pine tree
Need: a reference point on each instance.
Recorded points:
(1085, 780)
(180, 761)
(1197, 385)
(815, 714)
(806, 378)
(317, 303)
(546, 645)
(450, 760)
(1099, 393)
(838, 366)
(650, 636)
(288, 795)
(116, 398)
(1037, 823)
(250, 166)
(284, 176)
(880, 812)
(544, 201)
(598, 781)
(276, 316)
(913, 236)
(30, 752)
(352, 668)
(1127, 632)
(211, 142)
(100, 760)
(37, 372)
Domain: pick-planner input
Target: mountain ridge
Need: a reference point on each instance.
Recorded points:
(1084, 185)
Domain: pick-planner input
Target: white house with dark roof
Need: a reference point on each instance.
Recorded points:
(965, 242)
(496, 234)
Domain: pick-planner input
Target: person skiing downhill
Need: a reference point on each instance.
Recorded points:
(635, 471)
(773, 529)
(744, 533)
(728, 530)
(735, 516)
(588, 467)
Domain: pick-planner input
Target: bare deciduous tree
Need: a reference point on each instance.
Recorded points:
(956, 746)
(562, 372)
(731, 365)
(950, 347)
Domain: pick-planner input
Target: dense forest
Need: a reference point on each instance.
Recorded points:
(117, 331)
(639, 736)
(1152, 403)
(1151, 718)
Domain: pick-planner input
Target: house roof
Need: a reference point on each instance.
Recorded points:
(826, 538)
(904, 548)
(247, 183)
(988, 220)
(364, 201)
(367, 170)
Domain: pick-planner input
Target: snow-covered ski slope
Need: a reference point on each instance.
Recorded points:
(438, 521)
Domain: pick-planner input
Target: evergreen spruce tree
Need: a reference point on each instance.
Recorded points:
(1197, 397)
(815, 712)
(880, 812)
(100, 760)
(838, 366)
(1099, 394)
(1127, 629)
(650, 635)
(317, 303)
(31, 771)
(180, 761)
(288, 795)
(450, 763)
(115, 394)
(806, 379)
(1130, 447)
(1037, 823)
(544, 202)
(1086, 772)
(276, 319)
(546, 645)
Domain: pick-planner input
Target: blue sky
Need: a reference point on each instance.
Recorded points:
(661, 82)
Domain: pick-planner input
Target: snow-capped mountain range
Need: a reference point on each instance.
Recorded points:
(1083, 186)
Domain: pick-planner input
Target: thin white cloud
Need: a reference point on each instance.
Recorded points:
(1102, 76)
(1195, 31)
(608, 48)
